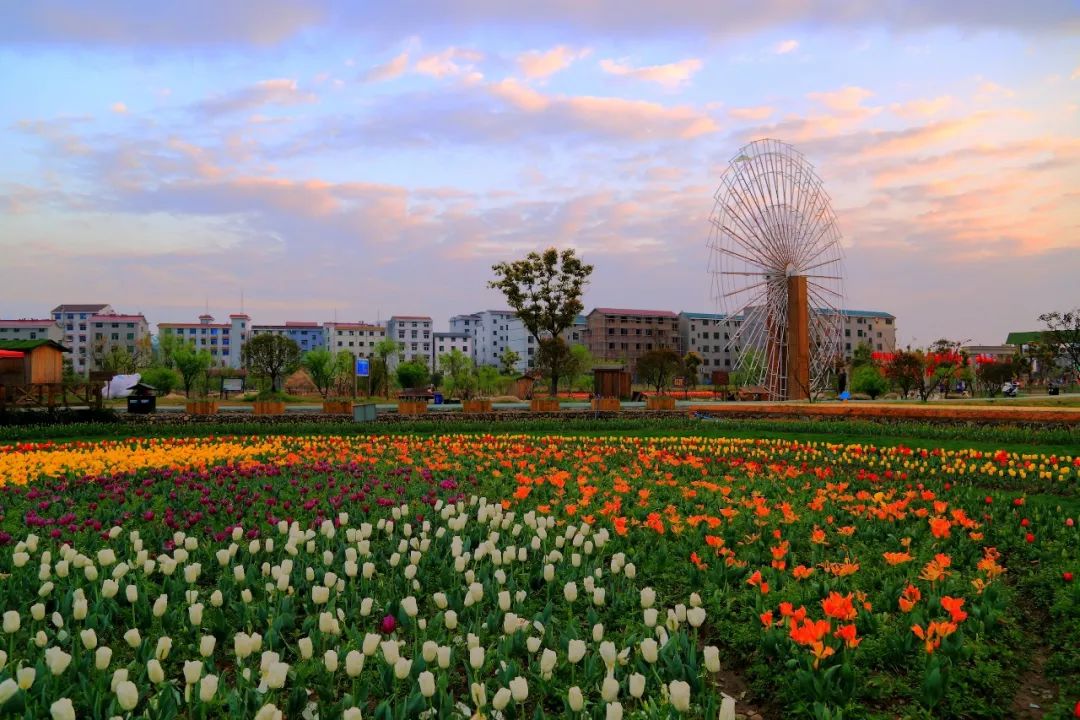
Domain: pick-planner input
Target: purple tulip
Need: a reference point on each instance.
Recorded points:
(388, 624)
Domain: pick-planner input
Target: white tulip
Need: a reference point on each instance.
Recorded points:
(354, 663)
(20, 559)
(371, 644)
(679, 693)
(320, 595)
(650, 617)
(352, 714)
(268, 711)
(598, 632)
(57, 660)
(79, 609)
(427, 684)
(391, 651)
(330, 661)
(26, 676)
(164, 647)
(648, 597)
(12, 622)
(519, 688)
(402, 668)
(131, 593)
(608, 653)
(443, 656)
(133, 638)
(637, 685)
(649, 650)
(695, 616)
(160, 605)
(570, 591)
(127, 695)
(609, 689)
(192, 671)
(533, 644)
(613, 711)
(440, 600)
(245, 595)
(476, 657)
(547, 663)
(102, 657)
(276, 675)
(207, 643)
(217, 599)
(575, 698)
(8, 688)
(195, 613)
(306, 647)
(106, 557)
(598, 596)
(501, 699)
(37, 611)
(712, 658)
(450, 620)
(155, 672)
(89, 639)
(118, 676)
(409, 606)
(208, 688)
(62, 709)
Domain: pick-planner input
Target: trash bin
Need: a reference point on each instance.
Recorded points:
(1053, 390)
(438, 398)
(364, 412)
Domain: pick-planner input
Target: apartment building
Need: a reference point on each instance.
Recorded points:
(491, 331)
(356, 338)
(709, 335)
(114, 330)
(74, 319)
(873, 327)
(32, 329)
(445, 342)
(308, 335)
(413, 335)
(627, 334)
(224, 341)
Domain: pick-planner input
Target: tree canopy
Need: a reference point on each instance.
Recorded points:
(321, 368)
(1063, 332)
(659, 367)
(272, 356)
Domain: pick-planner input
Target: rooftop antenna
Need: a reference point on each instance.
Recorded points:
(241, 300)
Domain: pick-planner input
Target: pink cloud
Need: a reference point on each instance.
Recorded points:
(538, 64)
(922, 108)
(520, 96)
(389, 70)
(761, 112)
(786, 46)
(450, 62)
(278, 91)
(671, 75)
(119, 108)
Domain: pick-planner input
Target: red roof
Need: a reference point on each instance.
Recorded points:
(300, 323)
(639, 313)
(355, 326)
(113, 318)
(195, 325)
(243, 316)
(11, 354)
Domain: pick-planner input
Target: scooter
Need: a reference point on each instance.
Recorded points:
(1009, 389)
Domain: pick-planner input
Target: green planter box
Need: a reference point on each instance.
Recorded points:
(364, 412)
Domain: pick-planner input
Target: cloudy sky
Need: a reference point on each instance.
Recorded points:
(371, 158)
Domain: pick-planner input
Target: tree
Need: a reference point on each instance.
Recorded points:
(272, 356)
(1063, 333)
(905, 370)
(554, 360)
(544, 290)
(862, 355)
(578, 366)
(162, 379)
(867, 379)
(991, 374)
(508, 361)
(191, 363)
(384, 350)
(458, 369)
(751, 363)
(1039, 358)
(413, 374)
(117, 360)
(691, 362)
(345, 373)
(659, 367)
(321, 368)
(487, 380)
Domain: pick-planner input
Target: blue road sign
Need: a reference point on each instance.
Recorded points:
(362, 367)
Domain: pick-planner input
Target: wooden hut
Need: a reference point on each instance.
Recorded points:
(611, 381)
(41, 362)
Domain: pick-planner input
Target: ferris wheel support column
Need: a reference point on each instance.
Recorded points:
(798, 339)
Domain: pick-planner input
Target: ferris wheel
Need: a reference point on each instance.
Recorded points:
(776, 265)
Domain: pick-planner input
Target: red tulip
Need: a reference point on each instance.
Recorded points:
(1066, 576)
(1025, 522)
(1018, 501)
(1068, 522)
(989, 499)
(1030, 538)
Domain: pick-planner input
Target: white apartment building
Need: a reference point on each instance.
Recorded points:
(32, 329)
(873, 327)
(708, 335)
(224, 341)
(356, 338)
(490, 330)
(130, 332)
(445, 342)
(413, 335)
(75, 319)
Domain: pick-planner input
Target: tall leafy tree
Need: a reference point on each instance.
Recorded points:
(691, 362)
(321, 368)
(868, 379)
(659, 367)
(272, 356)
(384, 350)
(1063, 333)
(457, 367)
(508, 361)
(413, 374)
(191, 363)
(905, 370)
(544, 290)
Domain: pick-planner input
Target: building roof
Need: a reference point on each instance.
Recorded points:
(240, 316)
(301, 323)
(79, 308)
(704, 316)
(354, 326)
(639, 313)
(28, 322)
(864, 313)
(452, 334)
(1024, 337)
(111, 318)
(194, 325)
(410, 317)
(24, 345)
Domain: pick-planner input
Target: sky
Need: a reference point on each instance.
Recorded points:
(353, 160)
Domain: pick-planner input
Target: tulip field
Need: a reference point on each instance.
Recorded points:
(525, 576)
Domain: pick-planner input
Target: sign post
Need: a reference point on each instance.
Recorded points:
(363, 369)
